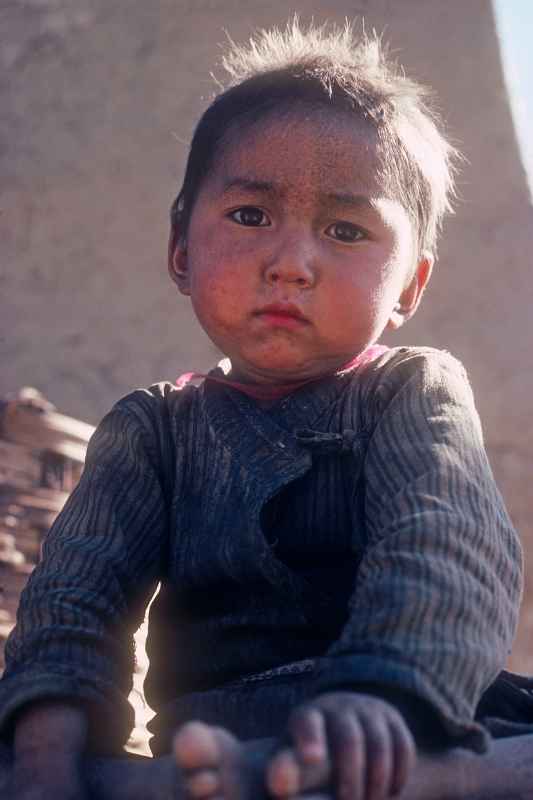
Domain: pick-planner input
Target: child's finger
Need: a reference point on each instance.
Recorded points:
(379, 757)
(307, 729)
(203, 783)
(404, 755)
(283, 774)
(348, 755)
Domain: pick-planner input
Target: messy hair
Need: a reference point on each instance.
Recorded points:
(334, 68)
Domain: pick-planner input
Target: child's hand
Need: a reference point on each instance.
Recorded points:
(357, 744)
(59, 780)
(48, 748)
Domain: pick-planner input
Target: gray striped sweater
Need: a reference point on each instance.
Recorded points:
(353, 528)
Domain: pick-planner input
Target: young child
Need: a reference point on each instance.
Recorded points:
(337, 569)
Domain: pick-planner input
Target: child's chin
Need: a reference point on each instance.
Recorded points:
(277, 363)
(286, 372)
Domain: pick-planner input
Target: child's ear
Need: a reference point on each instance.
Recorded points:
(178, 268)
(411, 295)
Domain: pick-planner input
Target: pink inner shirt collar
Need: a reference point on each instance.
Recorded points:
(274, 392)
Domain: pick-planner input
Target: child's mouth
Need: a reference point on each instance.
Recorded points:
(284, 314)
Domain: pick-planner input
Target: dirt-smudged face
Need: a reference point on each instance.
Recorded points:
(295, 258)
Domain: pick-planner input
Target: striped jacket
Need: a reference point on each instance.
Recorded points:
(352, 530)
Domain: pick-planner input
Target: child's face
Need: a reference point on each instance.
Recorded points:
(295, 258)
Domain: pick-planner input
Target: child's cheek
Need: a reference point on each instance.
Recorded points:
(219, 293)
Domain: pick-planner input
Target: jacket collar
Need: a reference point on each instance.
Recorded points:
(268, 441)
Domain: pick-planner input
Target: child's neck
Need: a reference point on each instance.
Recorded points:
(267, 395)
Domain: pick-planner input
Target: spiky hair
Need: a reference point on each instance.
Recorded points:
(346, 70)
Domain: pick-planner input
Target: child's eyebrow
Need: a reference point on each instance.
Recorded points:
(349, 200)
(248, 185)
(346, 199)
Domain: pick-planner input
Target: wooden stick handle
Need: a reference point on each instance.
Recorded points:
(504, 773)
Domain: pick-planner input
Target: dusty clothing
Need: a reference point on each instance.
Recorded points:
(354, 527)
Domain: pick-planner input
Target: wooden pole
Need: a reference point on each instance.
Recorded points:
(504, 773)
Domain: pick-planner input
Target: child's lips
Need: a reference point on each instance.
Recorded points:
(285, 314)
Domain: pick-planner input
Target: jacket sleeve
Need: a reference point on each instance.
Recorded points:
(435, 605)
(101, 560)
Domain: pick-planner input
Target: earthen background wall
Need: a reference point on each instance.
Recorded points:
(97, 102)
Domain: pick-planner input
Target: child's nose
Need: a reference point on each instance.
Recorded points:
(294, 261)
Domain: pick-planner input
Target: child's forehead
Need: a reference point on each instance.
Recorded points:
(335, 151)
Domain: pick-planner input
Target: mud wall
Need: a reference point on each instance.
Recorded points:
(97, 103)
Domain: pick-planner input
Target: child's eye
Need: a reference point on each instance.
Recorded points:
(345, 232)
(250, 216)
